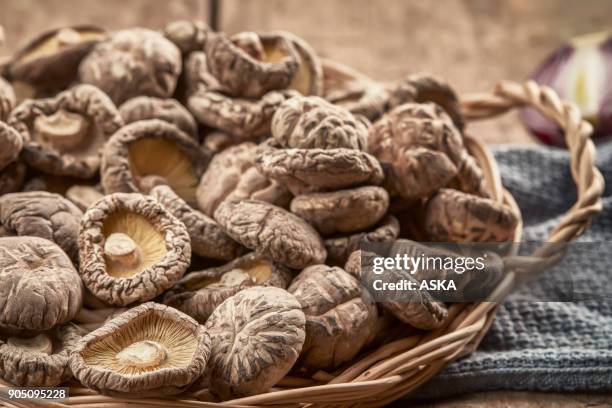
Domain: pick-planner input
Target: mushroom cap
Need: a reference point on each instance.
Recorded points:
(207, 237)
(159, 239)
(272, 231)
(39, 286)
(84, 102)
(11, 143)
(256, 338)
(422, 147)
(149, 350)
(44, 215)
(83, 196)
(131, 63)
(7, 99)
(454, 216)
(152, 148)
(170, 110)
(309, 170)
(199, 293)
(312, 122)
(188, 36)
(51, 60)
(242, 75)
(340, 316)
(340, 247)
(342, 211)
(232, 175)
(22, 366)
(12, 177)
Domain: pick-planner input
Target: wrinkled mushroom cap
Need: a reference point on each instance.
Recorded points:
(51, 60)
(188, 36)
(131, 249)
(39, 360)
(199, 293)
(12, 177)
(150, 350)
(131, 63)
(272, 231)
(340, 316)
(207, 238)
(312, 122)
(170, 110)
(150, 152)
(65, 135)
(11, 143)
(7, 99)
(44, 215)
(454, 216)
(256, 338)
(39, 286)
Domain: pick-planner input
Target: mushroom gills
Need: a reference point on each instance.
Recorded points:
(64, 38)
(257, 271)
(40, 344)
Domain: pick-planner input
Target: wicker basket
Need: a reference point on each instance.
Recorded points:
(402, 365)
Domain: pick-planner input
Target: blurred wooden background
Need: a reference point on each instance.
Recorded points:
(472, 43)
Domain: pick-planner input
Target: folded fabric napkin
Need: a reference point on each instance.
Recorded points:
(545, 346)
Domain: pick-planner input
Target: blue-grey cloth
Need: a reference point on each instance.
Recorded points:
(544, 346)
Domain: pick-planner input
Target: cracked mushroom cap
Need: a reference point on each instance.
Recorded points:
(242, 73)
(342, 211)
(170, 110)
(131, 249)
(51, 60)
(207, 237)
(64, 135)
(188, 36)
(40, 360)
(131, 63)
(256, 338)
(150, 350)
(11, 143)
(199, 293)
(272, 231)
(312, 122)
(340, 316)
(39, 286)
(151, 152)
(232, 175)
(12, 177)
(44, 215)
(7, 99)
(310, 170)
(454, 216)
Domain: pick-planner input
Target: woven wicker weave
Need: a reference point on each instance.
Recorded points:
(402, 365)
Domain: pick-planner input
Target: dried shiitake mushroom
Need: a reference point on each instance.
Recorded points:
(45, 215)
(131, 249)
(64, 135)
(272, 231)
(83, 196)
(340, 316)
(245, 119)
(309, 170)
(150, 350)
(131, 63)
(424, 151)
(12, 177)
(207, 238)
(308, 80)
(244, 75)
(340, 247)
(232, 175)
(454, 216)
(188, 36)
(7, 99)
(256, 338)
(40, 360)
(170, 110)
(151, 152)
(199, 293)
(11, 143)
(312, 122)
(342, 211)
(51, 60)
(39, 286)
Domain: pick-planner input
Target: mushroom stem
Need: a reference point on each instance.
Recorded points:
(120, 248)
(62, 130)
(67, 37)
(143, 354)
(39, 344)
(152, 180)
